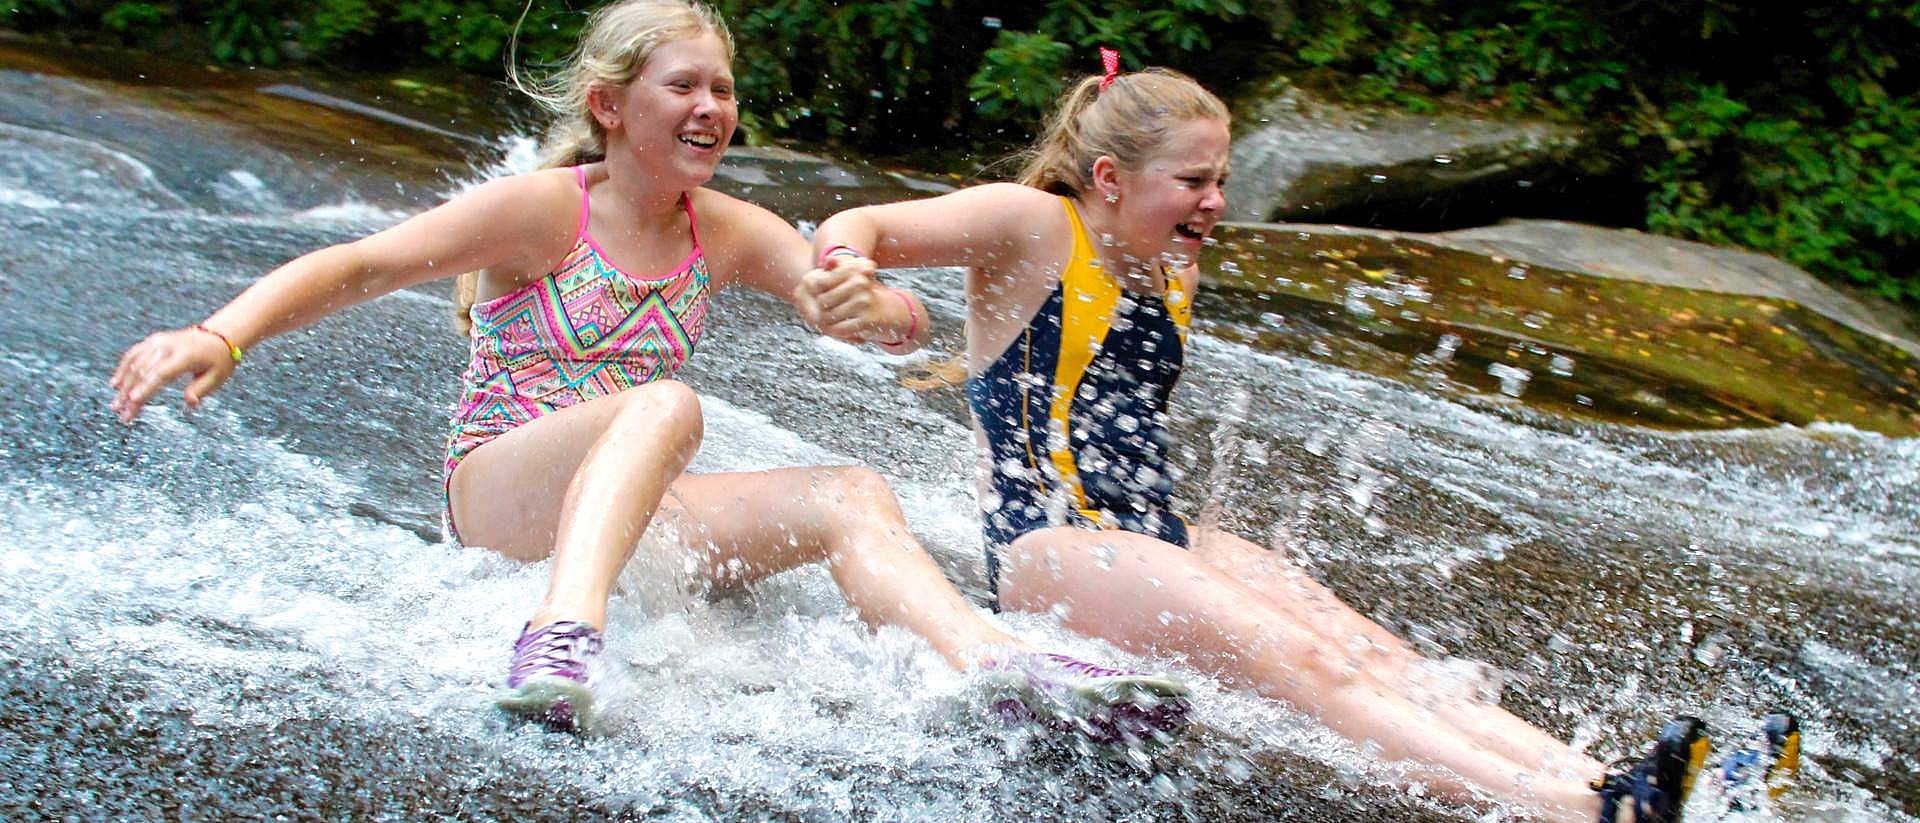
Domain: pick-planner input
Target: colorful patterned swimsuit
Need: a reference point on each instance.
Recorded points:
(585, 330)
(1075, 410)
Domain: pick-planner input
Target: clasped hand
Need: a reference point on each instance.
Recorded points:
(842, 300)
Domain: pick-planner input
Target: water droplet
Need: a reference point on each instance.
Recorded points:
(1103, 555)
(1513, 379)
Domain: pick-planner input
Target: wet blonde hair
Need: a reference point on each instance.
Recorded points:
(1128, 121)
(614, 47)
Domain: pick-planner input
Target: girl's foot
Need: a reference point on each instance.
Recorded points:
(1655, 789)
(1767, 767)
(1109, 707)
(547, 679)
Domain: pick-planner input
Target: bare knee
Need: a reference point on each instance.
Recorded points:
(852, 507)
(855, 489)
(664, 411)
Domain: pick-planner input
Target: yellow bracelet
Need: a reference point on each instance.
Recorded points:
(232, 350)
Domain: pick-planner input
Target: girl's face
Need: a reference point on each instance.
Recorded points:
(1177, 196)
(679, 113)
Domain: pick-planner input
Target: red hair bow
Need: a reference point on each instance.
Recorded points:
(1109, 60)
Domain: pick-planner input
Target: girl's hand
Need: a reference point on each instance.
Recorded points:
(161, 359)
(842, 300)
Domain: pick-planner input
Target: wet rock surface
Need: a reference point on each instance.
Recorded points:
(1300, 159)
(1584, 322)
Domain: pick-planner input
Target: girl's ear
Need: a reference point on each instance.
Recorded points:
(600, 104)
(1106, 178)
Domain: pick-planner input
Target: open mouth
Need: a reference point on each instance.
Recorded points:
(700, 141)
(1188, 232)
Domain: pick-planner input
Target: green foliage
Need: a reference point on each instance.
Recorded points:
(32, 13)
(861, 72)
(242, 31)
(1023, 72)
(1020, 74)
(134, 19)
(879, 73)
(1842, 200)
(1786, 128)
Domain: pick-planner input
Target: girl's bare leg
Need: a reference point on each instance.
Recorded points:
(580, 484)
(1388, 658)
(583, 483)
(1310, 603)
(1148, 595)
(752, 525)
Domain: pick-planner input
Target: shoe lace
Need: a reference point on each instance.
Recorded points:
(557, 650)
(1081, 668)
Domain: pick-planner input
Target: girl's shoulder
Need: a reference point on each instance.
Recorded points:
(720, 205)
(1013, 195)
(1006, 209)
(538, 192)
(722, 217)
(746, 242)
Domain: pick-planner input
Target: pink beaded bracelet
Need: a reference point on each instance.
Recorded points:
(913, 319)
(841, 250)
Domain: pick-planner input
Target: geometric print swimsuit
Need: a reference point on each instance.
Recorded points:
(583, 331)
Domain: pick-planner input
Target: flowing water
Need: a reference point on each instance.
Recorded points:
(248, 611)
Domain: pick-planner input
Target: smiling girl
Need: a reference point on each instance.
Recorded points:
(1079, 281)
(589, 290)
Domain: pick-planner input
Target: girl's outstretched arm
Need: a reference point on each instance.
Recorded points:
(505, 224)
(987, 227)
(846, 303)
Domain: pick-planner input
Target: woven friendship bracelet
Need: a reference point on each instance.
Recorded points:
(232, 350)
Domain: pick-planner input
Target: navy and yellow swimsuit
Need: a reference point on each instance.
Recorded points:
(1074, 411)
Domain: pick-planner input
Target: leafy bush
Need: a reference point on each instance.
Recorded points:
(1786, 128)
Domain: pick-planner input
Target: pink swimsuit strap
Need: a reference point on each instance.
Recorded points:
(582, 235)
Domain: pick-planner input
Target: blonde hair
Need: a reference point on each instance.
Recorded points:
(618, 40)
(1127, 121)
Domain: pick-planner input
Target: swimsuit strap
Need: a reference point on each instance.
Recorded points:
(693, 225)
(586, 203)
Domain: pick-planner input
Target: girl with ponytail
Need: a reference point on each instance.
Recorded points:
(1079, 281)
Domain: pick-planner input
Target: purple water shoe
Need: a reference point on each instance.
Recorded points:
(1107, 707)
(547, 680)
